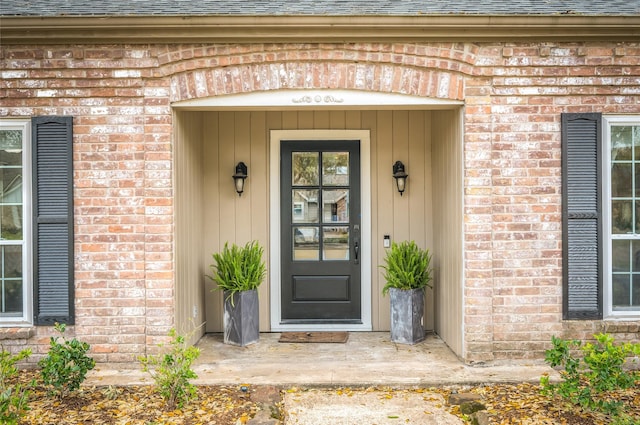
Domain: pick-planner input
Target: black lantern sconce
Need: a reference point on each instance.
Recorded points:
(239, 177)
(400, 175)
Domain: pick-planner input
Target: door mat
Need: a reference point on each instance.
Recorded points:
(314, 337)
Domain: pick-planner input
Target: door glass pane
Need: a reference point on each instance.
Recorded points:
(306, 244)
(335, 242)
(335, 169)
(11, 280)
(304, 206)
(335, 206)
(304, 168)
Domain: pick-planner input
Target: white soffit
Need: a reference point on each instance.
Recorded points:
(315, 99)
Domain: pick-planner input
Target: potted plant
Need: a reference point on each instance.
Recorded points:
(239, 271)
(407, 273)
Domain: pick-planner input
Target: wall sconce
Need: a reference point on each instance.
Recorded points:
(239, 177)
(400, 175)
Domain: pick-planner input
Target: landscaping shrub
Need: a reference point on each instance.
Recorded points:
(591, 380)
(14, 398)
(66, 365)
(172, 371)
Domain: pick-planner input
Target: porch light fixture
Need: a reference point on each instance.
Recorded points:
(400, 175)
(239, 177)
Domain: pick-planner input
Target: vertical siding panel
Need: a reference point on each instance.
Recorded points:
(401, 152)
(417, 214)
(337, 120)
(385, 192)
(448, 250)
(305, 119)
(242, 152)
(289, 120)
(260, 202)
(273, 122)
(190, 303)
(368, 122)
(211, 216)
(321, 119)
(353, 120)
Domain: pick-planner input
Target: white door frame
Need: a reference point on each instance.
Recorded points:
(274, 226)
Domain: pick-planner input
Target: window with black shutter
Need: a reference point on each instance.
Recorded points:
(582, 216)
(52, 179)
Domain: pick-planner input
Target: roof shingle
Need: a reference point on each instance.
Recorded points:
(47, 8)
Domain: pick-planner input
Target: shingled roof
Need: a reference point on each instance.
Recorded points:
(48, 8)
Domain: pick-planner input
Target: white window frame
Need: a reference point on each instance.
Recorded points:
(27, 285)
(608, 122)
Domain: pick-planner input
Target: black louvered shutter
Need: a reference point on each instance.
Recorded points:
(52, 170)
(581, 216)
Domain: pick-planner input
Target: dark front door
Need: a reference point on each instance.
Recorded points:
(320, 204)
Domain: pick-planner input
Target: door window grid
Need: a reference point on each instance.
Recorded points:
(332, 241)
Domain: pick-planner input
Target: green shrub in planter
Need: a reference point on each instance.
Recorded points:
(407, 266)
(407, 273)
(238, 269)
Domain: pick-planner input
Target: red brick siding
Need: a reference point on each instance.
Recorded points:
(514, 93)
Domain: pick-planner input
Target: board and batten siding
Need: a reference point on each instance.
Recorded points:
(448, 254)
(188, 184)
(227, 137)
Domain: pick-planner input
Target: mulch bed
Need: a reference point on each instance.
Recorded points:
(231, 405)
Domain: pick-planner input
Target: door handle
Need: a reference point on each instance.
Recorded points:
(356, 250)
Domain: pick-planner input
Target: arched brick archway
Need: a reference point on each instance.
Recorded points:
(436, 71)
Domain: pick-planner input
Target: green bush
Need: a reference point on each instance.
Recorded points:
(407, 266)
(172, 371)
(14, 398)
(589, 381)
(66, 365)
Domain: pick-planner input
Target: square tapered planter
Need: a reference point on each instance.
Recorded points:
(241, 318)
(407, 310)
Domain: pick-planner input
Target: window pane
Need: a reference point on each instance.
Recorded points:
(304, 168)
(304, 206)
(11, 148)
(10, 280)
(306, 245)
(620, 288)
(11, 222)
(10, 185)
(12, 298)
(335, 206)
(621, 182)
(621, 143)
(620, 255)
(635, 291)
(336, 243)
(335, 169)
(12, 261)
(621, 217)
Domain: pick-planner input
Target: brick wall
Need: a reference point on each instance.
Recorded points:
(514, 93)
